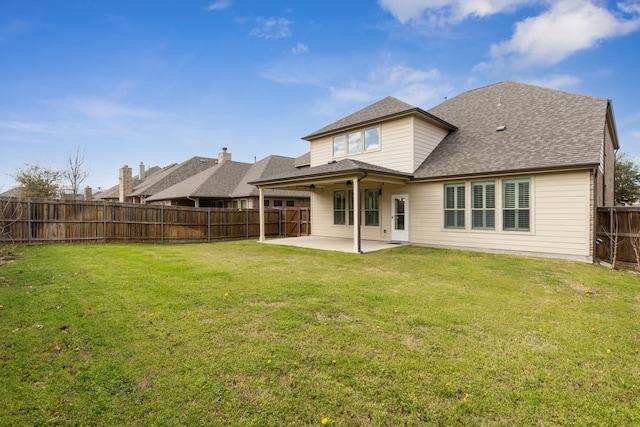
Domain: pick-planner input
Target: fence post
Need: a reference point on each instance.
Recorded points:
(162, 224)
(209, 225)
(29, 221)
(299, 221)
(611, 231)
(246, 222)
(104, 221)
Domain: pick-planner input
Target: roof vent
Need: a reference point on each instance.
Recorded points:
(500, 128)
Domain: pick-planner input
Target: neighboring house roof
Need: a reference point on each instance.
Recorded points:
(382, 110)
(12, 193)
(544, 129)
(230, 180)
(114, 192)
(173, 175)
(265, 168)
(216, 181)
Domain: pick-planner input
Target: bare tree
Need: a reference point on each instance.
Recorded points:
(75, 173)
(38, 182)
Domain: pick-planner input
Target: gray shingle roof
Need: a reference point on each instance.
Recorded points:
(173, 175)
(545, 128)
(334, 168)
(114, 192)
(229, 180)
(269, 166)
(216, 181)
(381, 110)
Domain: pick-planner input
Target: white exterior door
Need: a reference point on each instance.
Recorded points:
(400, 217)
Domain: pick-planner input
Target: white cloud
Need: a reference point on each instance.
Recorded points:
(299, 48)
(219, 5)
(100, 109)
(568, 27)
(272, 28)
(448, 11)
(403, 75)
(555, 81)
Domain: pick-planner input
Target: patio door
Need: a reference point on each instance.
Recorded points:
(400, 217)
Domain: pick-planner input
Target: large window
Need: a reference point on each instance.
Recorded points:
(339, 207)
(338, 146)
(372, 207)
(483, 205)
(352, 143)
(355, 142)
(516, 205)
(371, 139)
(454, 205)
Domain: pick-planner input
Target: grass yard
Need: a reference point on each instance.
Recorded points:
(245, 334)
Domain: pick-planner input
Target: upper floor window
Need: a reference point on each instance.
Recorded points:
(338, 146)
(371, 139)
(515, 212)
(356, 142)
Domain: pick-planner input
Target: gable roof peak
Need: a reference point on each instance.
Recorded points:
(385, 108)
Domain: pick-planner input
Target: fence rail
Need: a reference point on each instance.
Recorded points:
(618, 230)
(46, 221)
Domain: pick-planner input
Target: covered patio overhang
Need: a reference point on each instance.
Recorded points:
(349, 173)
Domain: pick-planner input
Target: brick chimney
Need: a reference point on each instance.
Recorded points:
(224, 156)
(125, 183)
(141, 174)
(88, 193)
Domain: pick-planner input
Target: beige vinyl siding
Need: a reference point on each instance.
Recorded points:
(321, 151)
(426, 138)
(560, 219)
(322, 216)
(396, 147)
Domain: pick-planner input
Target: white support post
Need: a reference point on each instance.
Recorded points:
(261, 214)
(356, 216)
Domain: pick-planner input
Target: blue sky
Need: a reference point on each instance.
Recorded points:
(165, 80)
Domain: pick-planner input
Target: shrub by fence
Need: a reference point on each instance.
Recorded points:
(34, 221)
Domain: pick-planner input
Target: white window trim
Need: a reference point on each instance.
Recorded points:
(363, 150)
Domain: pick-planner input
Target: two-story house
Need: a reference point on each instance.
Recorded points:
(509, 168)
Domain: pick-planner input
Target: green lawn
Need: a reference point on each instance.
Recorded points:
(247, 334)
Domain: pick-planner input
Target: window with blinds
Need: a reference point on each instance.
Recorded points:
(483, 205)
(454, 205)
(516, 205)
(339, 207)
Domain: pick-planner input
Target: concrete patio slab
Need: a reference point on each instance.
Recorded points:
(334, 243)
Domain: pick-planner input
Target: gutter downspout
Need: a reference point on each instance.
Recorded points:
(196, 202)
(358, 213)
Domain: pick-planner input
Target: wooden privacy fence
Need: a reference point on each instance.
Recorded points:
(618, 230)
(31, 221)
